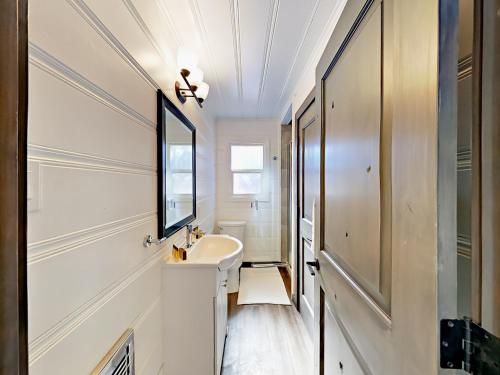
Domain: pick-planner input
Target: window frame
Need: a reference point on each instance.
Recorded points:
(172, 171)
(263, 196)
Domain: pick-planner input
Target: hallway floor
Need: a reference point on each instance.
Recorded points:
(266, 340)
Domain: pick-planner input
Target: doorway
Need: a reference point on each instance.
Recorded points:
(478, 166)
(286, 191)
(308, 181)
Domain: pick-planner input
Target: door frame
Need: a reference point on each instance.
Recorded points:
(476, 220)
(446, 159)
(488, 136)
(308, 101)
(13, 187)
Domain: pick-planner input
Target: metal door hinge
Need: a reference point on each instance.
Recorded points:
(466, 345)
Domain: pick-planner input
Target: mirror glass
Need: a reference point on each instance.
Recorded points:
(177, 185)
(179, 202)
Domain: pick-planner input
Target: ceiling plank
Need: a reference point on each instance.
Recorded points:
(297, 52)
(234, 8)
(202, 31)
(271, 28)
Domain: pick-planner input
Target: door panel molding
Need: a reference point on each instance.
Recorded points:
(350, 34)
(402, 336)
(360, 291)
(328, 307)
(373, 135)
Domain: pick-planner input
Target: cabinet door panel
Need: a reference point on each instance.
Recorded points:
(220, 325)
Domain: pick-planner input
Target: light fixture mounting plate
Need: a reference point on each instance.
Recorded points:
(178, 92)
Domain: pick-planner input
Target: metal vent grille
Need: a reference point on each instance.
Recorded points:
(120, 359)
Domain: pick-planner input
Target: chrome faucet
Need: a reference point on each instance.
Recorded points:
(189, 236)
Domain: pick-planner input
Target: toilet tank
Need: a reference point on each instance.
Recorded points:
(233, 228)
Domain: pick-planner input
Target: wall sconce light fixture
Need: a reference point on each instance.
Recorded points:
(196, 88)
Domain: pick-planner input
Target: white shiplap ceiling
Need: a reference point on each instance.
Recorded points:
(252, 51)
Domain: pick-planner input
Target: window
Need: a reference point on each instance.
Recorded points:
(247, 167)
(181, 165)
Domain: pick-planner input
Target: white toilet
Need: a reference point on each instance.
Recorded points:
(234, 229)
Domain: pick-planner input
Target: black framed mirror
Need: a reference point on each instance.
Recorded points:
(176, 168)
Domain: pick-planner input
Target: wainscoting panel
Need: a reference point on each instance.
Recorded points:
(69, 188)
(90, 267)
(61, 29)
(74, 347)
(92, 181)
(86, 125)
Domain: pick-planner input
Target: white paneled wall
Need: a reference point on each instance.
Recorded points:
(93, 74)
(262, 236)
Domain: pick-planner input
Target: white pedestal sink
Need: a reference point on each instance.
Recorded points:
(214, 250)
(195, 305)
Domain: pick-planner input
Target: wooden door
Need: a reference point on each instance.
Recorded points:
(309, 140)
(220, 321)
(376, 286)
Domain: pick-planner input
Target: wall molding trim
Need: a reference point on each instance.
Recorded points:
(142, 25)
(170, 21)
(45, 342)
(58, 157)
(145, 30)
(49, 64)
(43, 250)
(91, 18)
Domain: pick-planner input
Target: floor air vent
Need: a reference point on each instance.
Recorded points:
(120, 359)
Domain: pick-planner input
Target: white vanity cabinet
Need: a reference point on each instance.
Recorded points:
(220, 324)
(194, 318)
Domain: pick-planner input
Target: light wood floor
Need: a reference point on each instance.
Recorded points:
(266, 340)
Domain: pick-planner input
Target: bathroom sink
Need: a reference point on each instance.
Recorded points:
(213, 250)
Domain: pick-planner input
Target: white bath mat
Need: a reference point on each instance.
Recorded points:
(262, 285)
